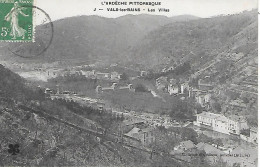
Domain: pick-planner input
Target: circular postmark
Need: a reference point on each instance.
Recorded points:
(40, 32)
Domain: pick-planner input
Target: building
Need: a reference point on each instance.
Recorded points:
(53, 73)
(115, 76)
(162, 83)
(89, 74)
(236, 105)
(193, 92)
(236, 124)
(143, 73)
(203, 98)
(139, 136)
(48, 91)
(173, 89)
(115, 86)
(185, 145)
(221, 123)
(205, 84)
(100, 75)
(184, 87)
(129, 124)
(254, 135)
(210, 150)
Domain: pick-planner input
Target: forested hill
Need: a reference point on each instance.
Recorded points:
(94, 38)
(195, 41)
(14, 87)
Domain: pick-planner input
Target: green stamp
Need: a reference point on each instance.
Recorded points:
(16, 21)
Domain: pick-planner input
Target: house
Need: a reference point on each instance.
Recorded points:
(185, 145)
(139, 136)
(75, 72)
(53, 73)
(131, 138)
(184, 87)
(48, 91)
(162, 83)
(173, 89)
(203, 98)
(129, 124)
(89, 74)
(115, 76)
(143, 73)
(184, 150)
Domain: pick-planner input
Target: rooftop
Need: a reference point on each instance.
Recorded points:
(209, 148)
(131, 133)
(137, 133)
(187, 144)
(209, 115)
(133, 121)
(236, 118)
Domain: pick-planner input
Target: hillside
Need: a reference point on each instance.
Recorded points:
(141, 39)
(13, 86)
(196, 41)
(32, 136)
(94, 38)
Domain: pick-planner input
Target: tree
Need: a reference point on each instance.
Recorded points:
(245, 132)
(218, 142)
(182, 110)
(140, 88)
(216, 106)
(124, 76)
(245, 100)
(189, 134)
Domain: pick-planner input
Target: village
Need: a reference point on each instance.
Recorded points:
(214, 115)
(141, 128)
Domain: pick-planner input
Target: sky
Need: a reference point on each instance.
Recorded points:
(58, 9)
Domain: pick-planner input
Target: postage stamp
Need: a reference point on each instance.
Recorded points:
(16, 21)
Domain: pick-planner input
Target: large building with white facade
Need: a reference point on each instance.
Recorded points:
(221, 123)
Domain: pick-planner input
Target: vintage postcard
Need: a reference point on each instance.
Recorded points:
(164, 83)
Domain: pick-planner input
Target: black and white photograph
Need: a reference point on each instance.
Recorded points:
(131, 83)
